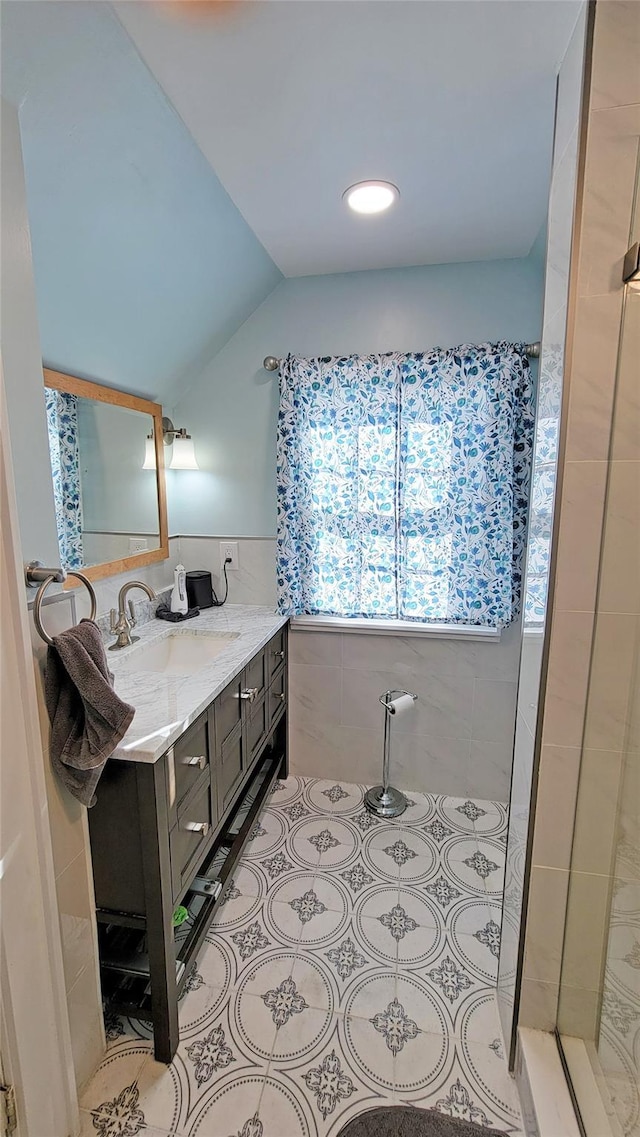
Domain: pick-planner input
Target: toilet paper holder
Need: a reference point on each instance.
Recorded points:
(385, 800)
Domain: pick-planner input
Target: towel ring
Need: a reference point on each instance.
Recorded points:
(37, 607)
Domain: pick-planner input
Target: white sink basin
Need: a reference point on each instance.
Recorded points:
(180, 653)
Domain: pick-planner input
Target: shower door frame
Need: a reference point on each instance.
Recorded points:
(572, 301)
(581, 1076)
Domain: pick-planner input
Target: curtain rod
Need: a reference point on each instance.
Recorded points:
(272, 363)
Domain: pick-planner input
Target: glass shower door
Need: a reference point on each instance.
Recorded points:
(599, 1011)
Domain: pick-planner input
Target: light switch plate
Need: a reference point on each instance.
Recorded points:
(229, 549)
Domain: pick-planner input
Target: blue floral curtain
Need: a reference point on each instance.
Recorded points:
(62, 423)
(403, 484)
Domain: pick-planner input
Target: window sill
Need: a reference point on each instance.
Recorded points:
(393, 628)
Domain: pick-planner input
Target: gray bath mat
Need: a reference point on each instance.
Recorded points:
(405, 1121)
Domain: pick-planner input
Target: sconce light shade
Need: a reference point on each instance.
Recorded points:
(149, 453)
(184, 455)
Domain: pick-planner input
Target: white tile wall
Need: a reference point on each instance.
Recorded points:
(254, 582)
(458, 739)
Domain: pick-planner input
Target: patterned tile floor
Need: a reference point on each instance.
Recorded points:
(352, 963)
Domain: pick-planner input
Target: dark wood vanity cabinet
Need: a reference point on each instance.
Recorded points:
(168, 833)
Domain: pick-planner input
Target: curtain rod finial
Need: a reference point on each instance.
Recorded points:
(270, 363)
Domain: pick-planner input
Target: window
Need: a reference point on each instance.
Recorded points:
(402, 485)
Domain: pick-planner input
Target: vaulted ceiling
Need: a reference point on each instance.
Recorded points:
(293, 102)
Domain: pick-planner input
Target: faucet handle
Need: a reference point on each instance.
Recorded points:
(113, 621)
(132, 617)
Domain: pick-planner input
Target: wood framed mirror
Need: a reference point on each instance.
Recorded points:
(110, 496)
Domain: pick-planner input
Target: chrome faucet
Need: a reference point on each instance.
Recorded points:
(123, 625)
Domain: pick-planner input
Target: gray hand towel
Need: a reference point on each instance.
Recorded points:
(87, 718)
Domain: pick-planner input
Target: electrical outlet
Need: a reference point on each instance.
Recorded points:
(138, 545)
(229, 549)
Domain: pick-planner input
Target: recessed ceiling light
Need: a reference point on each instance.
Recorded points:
(371, 197)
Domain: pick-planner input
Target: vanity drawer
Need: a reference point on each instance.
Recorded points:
(189, 836)
(257, 727)
(231, 768)
(277, 695)
(228, 709)
(188, 757)
(256, 676)
(276, 651)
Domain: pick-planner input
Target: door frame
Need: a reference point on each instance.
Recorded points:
(36, 1039)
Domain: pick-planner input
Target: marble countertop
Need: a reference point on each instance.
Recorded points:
(167, 704)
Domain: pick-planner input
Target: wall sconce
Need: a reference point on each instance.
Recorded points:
(183, 456)
(149, 453)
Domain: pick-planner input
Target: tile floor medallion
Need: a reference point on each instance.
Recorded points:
(352, 964)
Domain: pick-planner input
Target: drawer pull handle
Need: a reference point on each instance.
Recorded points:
(248, 695)
(279, 695)
(196, 827)
(196, 760)
(279, 654)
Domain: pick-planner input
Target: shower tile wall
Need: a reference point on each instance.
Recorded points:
(605, 864)
(611, 158)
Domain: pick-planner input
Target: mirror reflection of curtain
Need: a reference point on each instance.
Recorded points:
(543, 481)
(62, 423)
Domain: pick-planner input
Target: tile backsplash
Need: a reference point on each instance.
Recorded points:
(144, 610)
(253, 582)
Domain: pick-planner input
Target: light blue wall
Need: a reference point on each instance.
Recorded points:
(143, 265)
(145, 269)
(231, 410)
